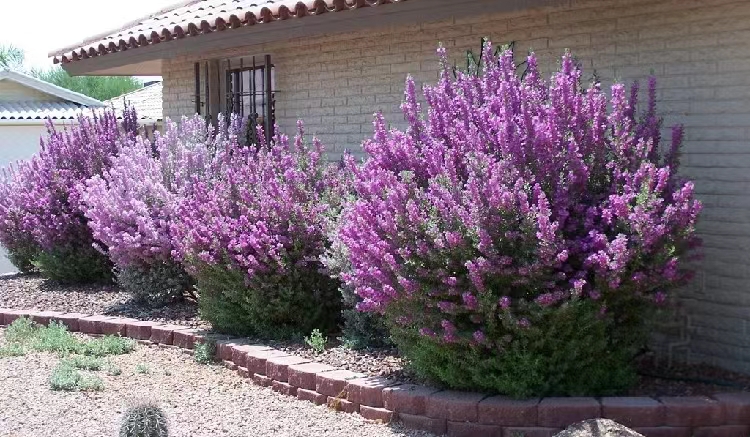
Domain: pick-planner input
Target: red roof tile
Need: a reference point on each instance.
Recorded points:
(196, 17)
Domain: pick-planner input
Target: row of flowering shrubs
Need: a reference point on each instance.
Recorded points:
(515, 239)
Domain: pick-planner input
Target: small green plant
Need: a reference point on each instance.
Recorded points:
(85, 362)
(142, 369)
(21, 330)
(23, 333)
(205, 353)
(12, 350)
(316, 341)
(109, 345)
(55, 338)
(65, 377)
(112, 370)
(144, 419)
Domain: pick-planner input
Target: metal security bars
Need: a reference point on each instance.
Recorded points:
(250, 94)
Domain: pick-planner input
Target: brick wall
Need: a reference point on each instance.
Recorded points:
(697, 48)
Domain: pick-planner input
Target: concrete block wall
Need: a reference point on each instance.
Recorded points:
(697, 48)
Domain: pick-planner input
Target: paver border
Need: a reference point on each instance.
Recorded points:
(426, 408)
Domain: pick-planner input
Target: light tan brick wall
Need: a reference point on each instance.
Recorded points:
(697, 48)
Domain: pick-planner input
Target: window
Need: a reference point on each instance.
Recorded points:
(250, 93)
(242, 86)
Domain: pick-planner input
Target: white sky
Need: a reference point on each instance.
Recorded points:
(38, 27)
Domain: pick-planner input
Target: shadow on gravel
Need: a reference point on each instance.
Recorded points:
(185, 312)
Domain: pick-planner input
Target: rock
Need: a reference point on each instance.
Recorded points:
(598, 428)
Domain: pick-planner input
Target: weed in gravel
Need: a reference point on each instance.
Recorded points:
(316, 341)
(65, 377)
(12, 350)
(112, 369)
(85, 362)
(142, 369)
(21, 330)
(55, 338)
(109, 345)
(205, 353)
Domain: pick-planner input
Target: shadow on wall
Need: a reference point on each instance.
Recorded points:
(5, 265)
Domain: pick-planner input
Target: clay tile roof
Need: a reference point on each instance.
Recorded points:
(196, 17)
(146, 101)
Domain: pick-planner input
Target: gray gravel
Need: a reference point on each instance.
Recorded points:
(32, 292)
(199, 401)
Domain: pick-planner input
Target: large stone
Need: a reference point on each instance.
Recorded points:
(598, 428)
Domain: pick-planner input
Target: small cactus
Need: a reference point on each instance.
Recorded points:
(144, 419)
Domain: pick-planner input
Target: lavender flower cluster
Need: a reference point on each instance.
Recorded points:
(513, 196)
(131, 205)
(44, 201)
(262, 219)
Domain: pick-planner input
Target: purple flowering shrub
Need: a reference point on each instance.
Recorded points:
(16, 185)
(48, 211)
(131, 205)
(252, 237)
(517, 237)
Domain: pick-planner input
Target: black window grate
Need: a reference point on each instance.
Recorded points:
(250, 94)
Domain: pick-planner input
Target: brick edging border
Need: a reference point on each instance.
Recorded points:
(439, 411)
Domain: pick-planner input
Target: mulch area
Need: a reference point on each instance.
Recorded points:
(33, 292)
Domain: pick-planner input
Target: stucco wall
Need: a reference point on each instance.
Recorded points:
(697, 48)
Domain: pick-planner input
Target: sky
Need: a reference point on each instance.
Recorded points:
(65, 22)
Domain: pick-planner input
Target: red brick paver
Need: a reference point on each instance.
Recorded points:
(530, 431)
(303, 375)
(91, 324)
(70, 320)
(435, 426)
(284, 388)
(186, 338)
(633, 411)
(454, 405)
(561, 412)
(277, 368)
(377, 414)
(115, 326)
(334, 383)
(722, 431)
(736, 407)
(339, 404)
(468, 429)
(367, 391)
(692, 411)
(44, 317)
(407, 398)
(311, 396)
(256, 359)
(240, 351)
(665, 431)
(140, 330)
(504, 411)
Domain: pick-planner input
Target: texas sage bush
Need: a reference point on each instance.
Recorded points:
(252, 237)
(16, 183)
(43, 220)
(517, 236)
(131, 205)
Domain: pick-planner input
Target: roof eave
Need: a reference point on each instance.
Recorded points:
(48, 88)
(407, 12)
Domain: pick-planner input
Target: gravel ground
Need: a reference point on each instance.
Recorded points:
(33, 292)
(198, 400)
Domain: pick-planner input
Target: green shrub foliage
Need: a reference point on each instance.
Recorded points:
(517, 235)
